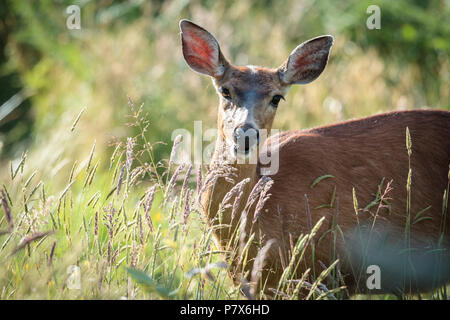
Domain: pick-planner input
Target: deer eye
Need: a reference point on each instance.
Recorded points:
(225, 93)
(275, 100)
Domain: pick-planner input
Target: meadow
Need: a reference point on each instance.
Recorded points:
(93, 205)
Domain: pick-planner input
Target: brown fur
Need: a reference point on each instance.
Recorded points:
(359, 154)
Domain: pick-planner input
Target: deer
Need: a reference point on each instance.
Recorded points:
(395, 162)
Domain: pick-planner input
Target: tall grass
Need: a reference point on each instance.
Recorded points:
(135, 233)
(138, 232)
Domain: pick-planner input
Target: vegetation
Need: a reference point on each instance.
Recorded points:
(85, 173)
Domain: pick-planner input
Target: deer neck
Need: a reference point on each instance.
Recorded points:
(214, 195)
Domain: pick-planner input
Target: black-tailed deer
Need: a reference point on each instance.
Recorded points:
(355, 174)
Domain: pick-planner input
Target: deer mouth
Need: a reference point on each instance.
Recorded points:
(241, 151)
(246, 139)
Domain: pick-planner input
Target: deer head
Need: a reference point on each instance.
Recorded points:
(249, 95)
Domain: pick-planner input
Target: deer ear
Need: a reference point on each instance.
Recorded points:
(201, 50)
(307, 61)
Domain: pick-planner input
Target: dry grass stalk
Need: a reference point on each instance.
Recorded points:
(258, 266)
(186, 180)
(173, 180)
(256, 191)
(236, 190)
(7, 210)
(199, 180)
(224, 172)
(149, 196)
(176, 143)
(119, 182)
(29, 239)
(52, 252)
(129, 153)
(262, 199)
(187, 208)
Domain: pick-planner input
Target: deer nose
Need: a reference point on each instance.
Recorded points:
(245, 136)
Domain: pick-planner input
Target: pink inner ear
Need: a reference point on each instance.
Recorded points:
(304, 59)
(199, 52)
(200, 47)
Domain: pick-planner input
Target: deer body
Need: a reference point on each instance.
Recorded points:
(368, 155)
(359, 154)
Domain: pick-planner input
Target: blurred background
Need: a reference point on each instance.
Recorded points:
(49, 73)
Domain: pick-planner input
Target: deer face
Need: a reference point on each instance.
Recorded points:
(249, 96)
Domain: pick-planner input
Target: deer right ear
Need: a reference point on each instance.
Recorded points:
(201, 50)
(307, 61)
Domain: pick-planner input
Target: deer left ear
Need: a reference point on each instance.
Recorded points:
(307, 61)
